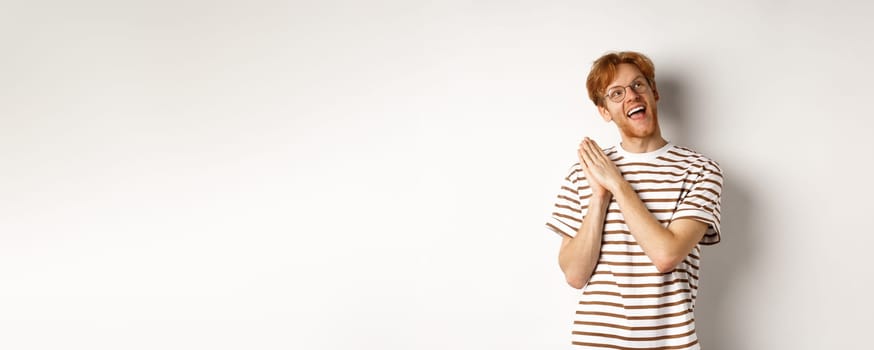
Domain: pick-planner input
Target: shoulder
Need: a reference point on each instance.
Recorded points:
(575, 173)
(612, 153)
(693, 159)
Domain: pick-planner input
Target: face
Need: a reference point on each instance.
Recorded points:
(637, 115)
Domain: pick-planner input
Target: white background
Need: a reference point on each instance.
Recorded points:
(376, 175)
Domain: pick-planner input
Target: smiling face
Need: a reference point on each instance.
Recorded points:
(636, 115)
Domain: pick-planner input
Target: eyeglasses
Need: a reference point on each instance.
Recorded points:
(617, 93)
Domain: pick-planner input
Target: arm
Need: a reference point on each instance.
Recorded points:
(579, 255)
(666, 247)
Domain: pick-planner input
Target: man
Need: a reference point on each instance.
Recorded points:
(632, 218)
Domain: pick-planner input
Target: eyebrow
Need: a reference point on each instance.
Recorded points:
(632, 80)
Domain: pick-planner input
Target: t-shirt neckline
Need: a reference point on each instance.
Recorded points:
(645, 155)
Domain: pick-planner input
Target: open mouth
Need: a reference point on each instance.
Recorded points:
(636, 112)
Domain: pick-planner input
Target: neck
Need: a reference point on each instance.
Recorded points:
(643, 145)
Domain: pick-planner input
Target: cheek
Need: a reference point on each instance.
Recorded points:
(617, 113)
(611, 115)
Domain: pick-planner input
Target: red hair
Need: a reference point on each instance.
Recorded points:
(604, 70)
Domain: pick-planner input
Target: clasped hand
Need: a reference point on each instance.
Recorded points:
(602, 174)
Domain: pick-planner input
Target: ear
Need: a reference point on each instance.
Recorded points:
(605, 114)
(655, 91)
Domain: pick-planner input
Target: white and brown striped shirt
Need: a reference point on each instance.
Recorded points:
(627, 303)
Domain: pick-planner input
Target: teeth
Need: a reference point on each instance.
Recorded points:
(635, 110)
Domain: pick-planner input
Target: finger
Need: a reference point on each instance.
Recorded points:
(598, 149)
(580, 154)
(584, 155)
(592, 150)
(582, 147)
(593, 147)
(586, 167)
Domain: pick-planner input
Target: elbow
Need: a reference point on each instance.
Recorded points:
(575, 281)
(665, 268)
(667, 264)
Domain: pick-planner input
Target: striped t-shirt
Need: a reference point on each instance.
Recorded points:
(627, 302)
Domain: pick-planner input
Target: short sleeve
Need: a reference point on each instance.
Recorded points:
(570, 204)
(702, 201)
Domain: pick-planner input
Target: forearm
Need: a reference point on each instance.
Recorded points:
(579, 255)
(659, 243)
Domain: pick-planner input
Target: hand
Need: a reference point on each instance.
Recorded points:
(594, 185)
(600, 170)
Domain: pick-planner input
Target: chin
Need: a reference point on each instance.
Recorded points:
(642, 131)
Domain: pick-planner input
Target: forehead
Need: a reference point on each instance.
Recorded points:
(625, 73)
